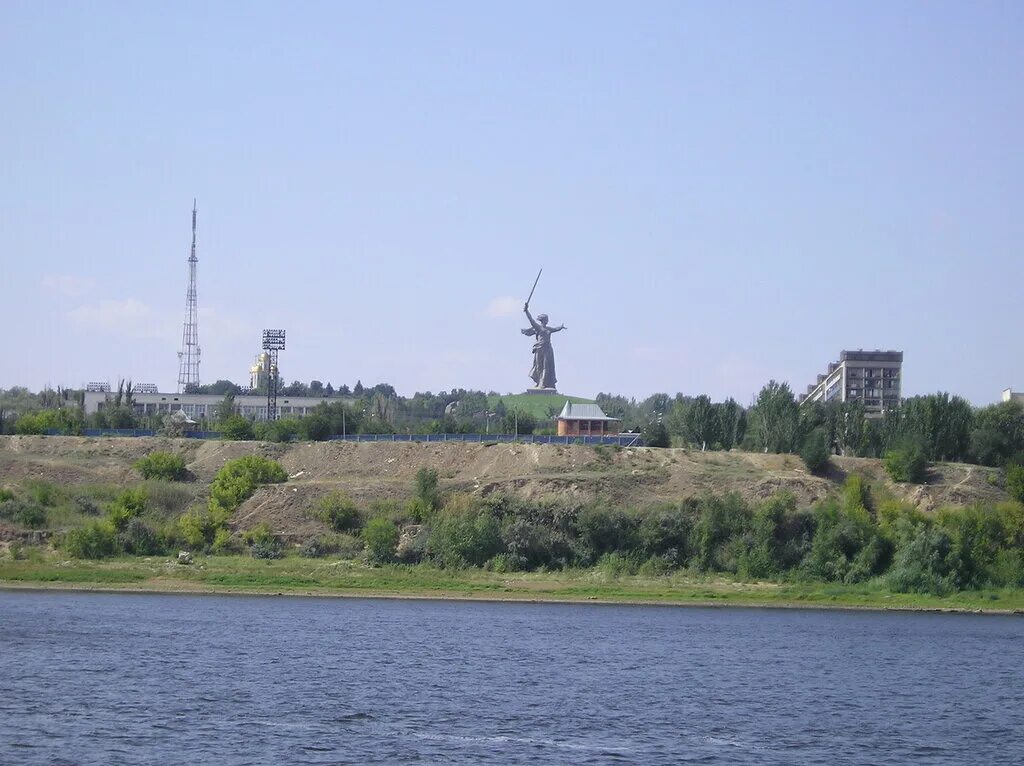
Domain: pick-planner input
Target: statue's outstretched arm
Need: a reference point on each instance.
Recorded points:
(533, 322)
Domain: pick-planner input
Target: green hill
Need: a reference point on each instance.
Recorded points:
(538, 405)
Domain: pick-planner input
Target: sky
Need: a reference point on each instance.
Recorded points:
(719, 193)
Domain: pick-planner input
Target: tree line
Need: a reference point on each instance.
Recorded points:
(942, 427)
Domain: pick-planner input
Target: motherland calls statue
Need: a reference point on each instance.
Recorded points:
(543, 372)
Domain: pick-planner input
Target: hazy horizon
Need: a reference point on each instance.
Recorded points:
(718, 195)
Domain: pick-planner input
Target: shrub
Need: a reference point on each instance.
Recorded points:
(315, 547)
(42, 492)
(339, 512)
(263, 543)
(93, 541)
(762, 557)
(22, 512)
(907, 464)
(237, 428)
(715, 537)
(161, 465)
(502, 564)
(167, 498)
(198, 527)
(536, 543)
(413, 541)
(601, 530)
(417, 510)
(224, 541)
(841, 533)
(387, 509)
(616, 565)
(656, 566)
(460, 538)
(922, 562)
(348, 546)
(128, 505)
(138, 539)
(426, 488)
(381, 538)
(238, 479)
(86, 505)
(1015, 482)
(266, 549)
(815, 453)
(666, 532)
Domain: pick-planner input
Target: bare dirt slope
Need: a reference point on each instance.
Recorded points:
(384, 470)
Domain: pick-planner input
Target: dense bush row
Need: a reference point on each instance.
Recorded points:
(847, 539)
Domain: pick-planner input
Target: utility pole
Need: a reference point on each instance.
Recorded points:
(188, 357)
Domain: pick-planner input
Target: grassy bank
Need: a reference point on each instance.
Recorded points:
(299, 576)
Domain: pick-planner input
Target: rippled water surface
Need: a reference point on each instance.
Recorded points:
(125, 679)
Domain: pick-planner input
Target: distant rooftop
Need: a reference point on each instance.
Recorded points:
(860, 355)
(582, 411)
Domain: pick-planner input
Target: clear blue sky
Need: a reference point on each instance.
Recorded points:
(719, 193)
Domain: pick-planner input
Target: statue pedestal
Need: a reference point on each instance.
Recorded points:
(542, 391)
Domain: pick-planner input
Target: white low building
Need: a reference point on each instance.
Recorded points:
(204, 406)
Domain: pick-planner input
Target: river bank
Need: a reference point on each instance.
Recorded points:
(318, 577)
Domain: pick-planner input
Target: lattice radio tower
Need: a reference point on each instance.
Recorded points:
(188, 357)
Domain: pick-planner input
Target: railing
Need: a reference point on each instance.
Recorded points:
(618, 440)
(621, 440)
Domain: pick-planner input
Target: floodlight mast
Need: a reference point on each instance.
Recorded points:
(273, 341)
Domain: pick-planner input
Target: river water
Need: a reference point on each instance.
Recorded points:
(139, 679)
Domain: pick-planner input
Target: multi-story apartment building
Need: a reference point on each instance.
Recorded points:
(872, 378)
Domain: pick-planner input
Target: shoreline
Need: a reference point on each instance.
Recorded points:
(43, 587)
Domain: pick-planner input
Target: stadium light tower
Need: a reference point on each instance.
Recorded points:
(273, 341)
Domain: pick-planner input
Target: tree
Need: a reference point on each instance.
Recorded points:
(814, 452)
(427, 491)
(655, 434)
(1015, 482)
(357, 391)
(221, 387)
(316, 388)
(775, 418)
(941, 424)
(849, 427)
(518, 422)
(998, 435)
(296, 388)
(236, 428)
(701, 422)
(732, 423)
(907, 464)
(226, 408)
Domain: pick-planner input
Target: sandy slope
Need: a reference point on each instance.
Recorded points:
(382, 470)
